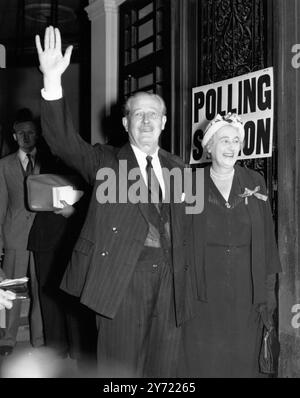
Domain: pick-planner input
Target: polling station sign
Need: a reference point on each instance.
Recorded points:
(252, 97)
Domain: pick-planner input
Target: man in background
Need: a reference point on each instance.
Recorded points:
(15, 223)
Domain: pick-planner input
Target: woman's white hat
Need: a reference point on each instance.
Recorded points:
(231, 119)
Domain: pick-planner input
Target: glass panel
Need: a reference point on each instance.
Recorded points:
(159, 21)
(133, 16)
(127, 40)
(133, 85)
(126, 87)
(126, 20)
(159, 3)
(133, 55)
(159, 90)
(145, 30)
(159, 42)
(127, 57)
(145, 11)
(145, 81)
(159, 74)
(145, 50)
(133, 36)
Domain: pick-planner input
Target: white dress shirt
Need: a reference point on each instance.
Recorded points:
(24, 158)
(142, 162)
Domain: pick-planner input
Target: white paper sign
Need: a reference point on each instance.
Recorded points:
(251, 96)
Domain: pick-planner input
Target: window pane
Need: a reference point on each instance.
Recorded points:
(126, 86)
(133, 55)
(126, 20)
(159, 3)
(145, 81)
(159, 21)
(145, 11)
(159, 74)
(133, 36)
(159, 42)
(133, 17)
(146, 30)
(133, 85)
(127, 57)
(159, 90)
(127, 40)
(145, 50)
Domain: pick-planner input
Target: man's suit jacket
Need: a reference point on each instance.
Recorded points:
(113, 235)
(51, 231)
(15, 219)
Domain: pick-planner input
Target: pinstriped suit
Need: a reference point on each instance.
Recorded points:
(113, 236)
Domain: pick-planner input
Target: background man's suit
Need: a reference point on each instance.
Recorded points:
(15, 224)
(106, 264)
(69, 327)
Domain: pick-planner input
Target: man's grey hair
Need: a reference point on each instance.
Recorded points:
(158, 98)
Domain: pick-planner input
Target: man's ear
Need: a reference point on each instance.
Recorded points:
(125, 123)
(15, 137)
(163, 122)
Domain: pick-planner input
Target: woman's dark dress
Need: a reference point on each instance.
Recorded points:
(224, 338)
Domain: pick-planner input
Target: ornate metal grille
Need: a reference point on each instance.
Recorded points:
(233, 40)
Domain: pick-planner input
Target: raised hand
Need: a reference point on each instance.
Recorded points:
(52, 62)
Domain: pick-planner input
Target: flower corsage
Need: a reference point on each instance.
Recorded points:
(249, 192)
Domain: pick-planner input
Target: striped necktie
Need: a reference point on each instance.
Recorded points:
(29, 167)
(154, 189)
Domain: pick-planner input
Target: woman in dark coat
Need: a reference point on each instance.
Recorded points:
(235, 261)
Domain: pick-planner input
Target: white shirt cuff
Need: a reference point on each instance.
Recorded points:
(52, 95)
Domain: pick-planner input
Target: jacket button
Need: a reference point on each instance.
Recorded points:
(115, 230)
(104, 253)
(154, 265)
(186, 267)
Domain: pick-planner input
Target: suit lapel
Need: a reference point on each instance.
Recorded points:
(176, 209)
(16, 169)
(37, 164)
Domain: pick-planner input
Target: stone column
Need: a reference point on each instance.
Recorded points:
(287, 80)
(103, 15)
